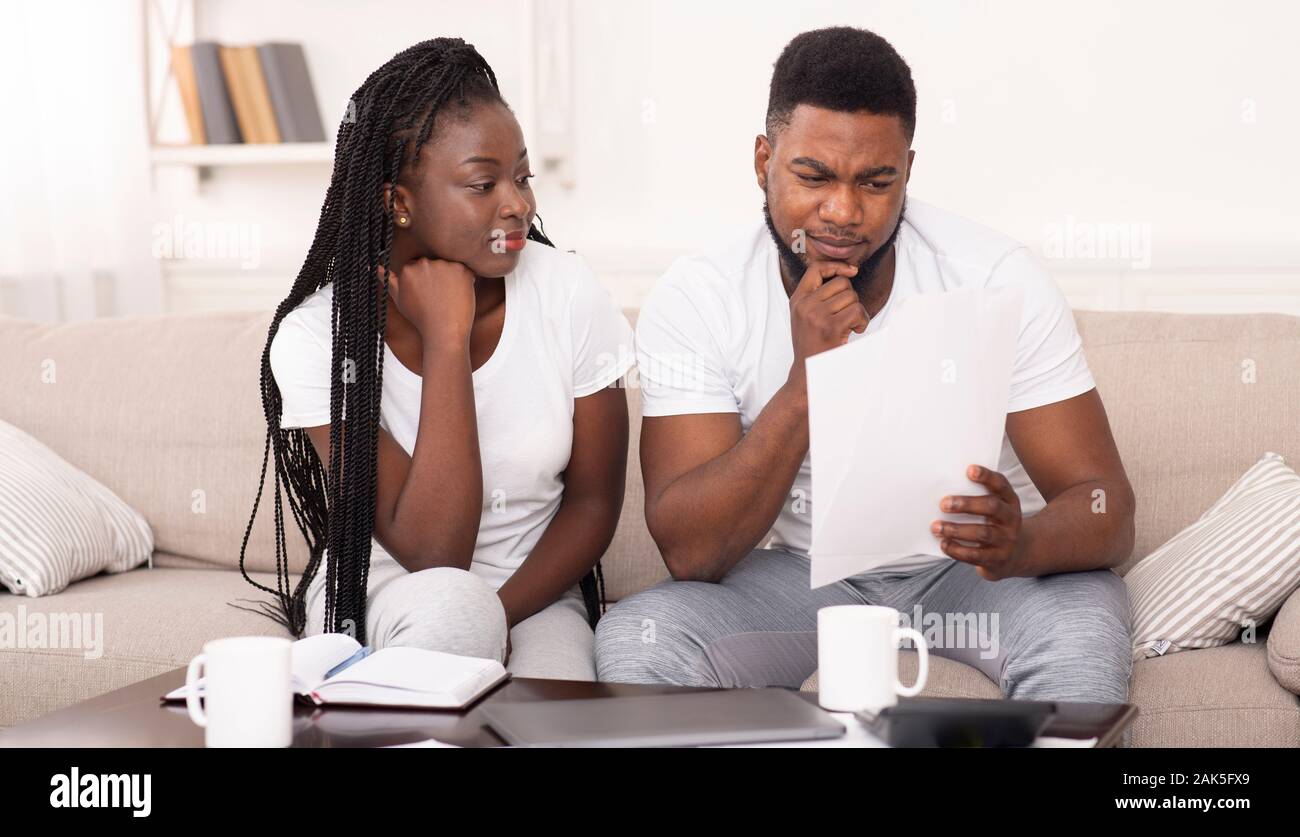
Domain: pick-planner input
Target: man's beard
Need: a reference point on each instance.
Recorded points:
(798, 266)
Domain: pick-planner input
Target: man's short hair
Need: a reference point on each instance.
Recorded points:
(843, 69)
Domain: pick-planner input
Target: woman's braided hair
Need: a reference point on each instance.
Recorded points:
(390, 118)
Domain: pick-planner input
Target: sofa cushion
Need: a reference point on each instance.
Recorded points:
(1212, 697)
(632, 562)
(134, 625)
(1193, 400)
(59, 524)
(1230, 569)
(1284, 645)
(166, 412)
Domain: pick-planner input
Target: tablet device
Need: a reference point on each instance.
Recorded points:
(730, 716)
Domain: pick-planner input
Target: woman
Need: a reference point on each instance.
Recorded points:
(472, 489)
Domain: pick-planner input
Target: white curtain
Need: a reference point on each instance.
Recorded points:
(75, 200)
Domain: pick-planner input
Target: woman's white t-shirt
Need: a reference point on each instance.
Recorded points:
(563, 338)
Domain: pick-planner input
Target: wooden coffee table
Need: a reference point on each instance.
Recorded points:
(133, 717)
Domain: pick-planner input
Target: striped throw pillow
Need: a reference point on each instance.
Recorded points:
(57, 524)
(1232, 568)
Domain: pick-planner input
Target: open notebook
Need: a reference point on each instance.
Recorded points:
(413, 678)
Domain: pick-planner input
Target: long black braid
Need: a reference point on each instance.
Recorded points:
(389, 119)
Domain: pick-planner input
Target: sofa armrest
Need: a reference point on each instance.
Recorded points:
(1284, 644)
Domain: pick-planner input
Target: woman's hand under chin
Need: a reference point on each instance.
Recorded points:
(437, 297)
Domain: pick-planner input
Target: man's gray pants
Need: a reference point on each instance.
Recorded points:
(1055, 637)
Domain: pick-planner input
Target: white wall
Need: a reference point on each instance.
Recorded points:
(1172, 123)
(74, 164)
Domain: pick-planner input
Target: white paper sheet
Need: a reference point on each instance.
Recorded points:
(896, 416)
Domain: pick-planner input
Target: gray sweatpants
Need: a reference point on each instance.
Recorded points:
(1054, 637)
(451, 610)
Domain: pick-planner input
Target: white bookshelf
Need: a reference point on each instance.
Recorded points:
(242, 154)
(169, 22)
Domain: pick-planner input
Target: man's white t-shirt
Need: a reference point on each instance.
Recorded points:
(714, 337)
(563, 338)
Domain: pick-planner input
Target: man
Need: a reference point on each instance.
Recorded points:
(722, 341)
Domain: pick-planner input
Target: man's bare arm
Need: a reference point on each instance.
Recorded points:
(711, 494)
(1068, 451)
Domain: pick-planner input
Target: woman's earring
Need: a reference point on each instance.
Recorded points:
(403, 220)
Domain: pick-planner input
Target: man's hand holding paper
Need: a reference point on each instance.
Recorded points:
(993, 546)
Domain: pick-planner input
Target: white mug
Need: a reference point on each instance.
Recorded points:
(857, 658)
(247, 692)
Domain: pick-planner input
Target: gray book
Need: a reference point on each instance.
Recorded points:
(292, 97)
(219, 124)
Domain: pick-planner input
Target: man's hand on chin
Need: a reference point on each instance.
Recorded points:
(996, 547)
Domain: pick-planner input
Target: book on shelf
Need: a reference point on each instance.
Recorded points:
(219, 124)
(183, 67)
(247, 94)
(285, 68)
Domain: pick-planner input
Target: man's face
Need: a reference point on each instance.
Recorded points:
(836, 185)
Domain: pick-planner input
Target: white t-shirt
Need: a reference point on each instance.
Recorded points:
(714, 337)
(563, 338)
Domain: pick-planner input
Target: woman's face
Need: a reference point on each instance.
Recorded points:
(470, 199)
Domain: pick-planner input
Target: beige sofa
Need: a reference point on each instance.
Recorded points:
(165, 411)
